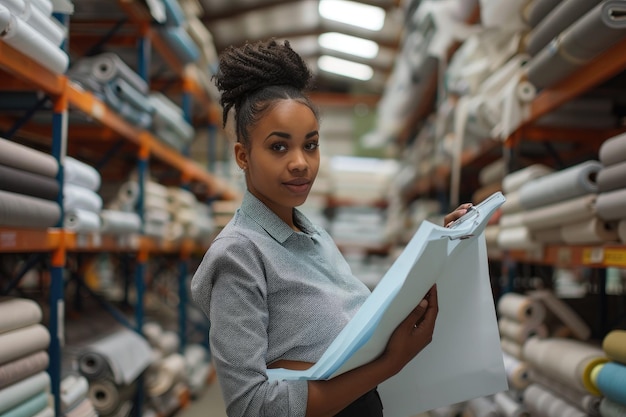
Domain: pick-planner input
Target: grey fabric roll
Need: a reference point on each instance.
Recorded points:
(536, 10)
(22, 368)
(119, 222)
(612, 205)
(93, 365)
(18, 210)
(569, 211)
(107, 67)
(588, 37)
(81, 221)
(621, 230)
(515, 180)
(560, 18)
(27, 183)
(566, 184)
(609, 408)
(22, 342)
(548, 236)
(590, 231)
(612, 177)
(613, 150)
(21, 157)
(129, 94)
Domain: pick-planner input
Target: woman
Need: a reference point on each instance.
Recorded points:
(275, 287)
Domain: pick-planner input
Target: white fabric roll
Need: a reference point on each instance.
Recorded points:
(518, 237)
(517, 371)
(590, 232)
(512, 348)
(35, 18)
(521, 308)
(73, 390)
(79, 173)
(565, 212)
(17, 313)
(76, 197)
(611, 205)
(612, 150)
(512, 220)
(519, 332)
(44, 5)
(512, 203)
(119, 222)
(514, 181)
(508, 407)
(81, 221)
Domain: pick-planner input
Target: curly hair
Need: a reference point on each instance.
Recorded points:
(253, 77)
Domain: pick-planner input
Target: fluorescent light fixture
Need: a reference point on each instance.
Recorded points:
(346, 68)
(353, 13)
(349, 44)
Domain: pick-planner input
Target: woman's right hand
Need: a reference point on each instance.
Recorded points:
(413, 334)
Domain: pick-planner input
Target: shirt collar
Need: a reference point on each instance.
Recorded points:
(270, 222)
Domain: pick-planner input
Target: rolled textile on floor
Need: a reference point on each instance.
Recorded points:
(515, 180)
(592, 34)
(74, 389)
(18, 210)
(611, 205)
(613, 150)
(572, 182)
(76, 197)
(512, 203)
(612, 177)
(512, 348)
(516, 371)
(535, 10)
(21, 36)
(556, 214)
(19, 369)
(27, 183)
(21, 157)
(94, 365)
(16, 313)
(30, 407)
(21, 391)
(36, 19)
(519, 332)
(610, 408)
(614, 345)
(590, 231)
(482, 407)
(23, 342)
(611, 381)
(548, 236)
(517, 237)
(590, 404)
(520, 308)
(81, 221)
(119, 222)
(560, 18)
(508, 407)
(568, 361)
(107, 397)
(107, 67)
(540, 401)
(79, 173)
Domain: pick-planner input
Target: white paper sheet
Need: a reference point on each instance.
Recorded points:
(464, 360)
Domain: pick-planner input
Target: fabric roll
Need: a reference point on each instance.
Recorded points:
(19, 369)
(19, 392)
(508, 407)
(592, 34)
(74, 389)
(565, 314)
(482, 407)
(493, 172)
(30, 407)
(152, 331)
(610, 408)
(516, 371)
(76, 197)
(589, 404)
(512, 203)
(21, 157)
(44, 5)
(83, 409)
(590, 231)
(16, 313)
(27, 183)
(621, 230)
(515, 180)
(168, 343)
(22, 342)
(540, 401)
(181, 43)
(613, 150)
(611, 382)
(567, 361)
(491, 235)
(107, 397)
(520, 308)
(512, 348)
(21, 36)
(559, 19)
(566, 212)
(106, 67)
(47, 412)
(127, 93)
(518, 237)
(566, 184)
(168, 373)
(611, 205)
(169, 117)
(548, 236)
(536, 10)
(79, 173)
(614, 345)
(36, 19)
(128, 194)
(93, 365)
(81, 221)
(18, 210)
(512, 220)
(612, 177)
(179, 198)
(520, 332)
(119, 222)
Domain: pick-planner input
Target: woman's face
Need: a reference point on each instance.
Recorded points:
(283, 157)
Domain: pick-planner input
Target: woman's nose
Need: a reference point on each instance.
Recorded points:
(298, 161)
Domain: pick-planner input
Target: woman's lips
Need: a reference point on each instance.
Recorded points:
(298, 186)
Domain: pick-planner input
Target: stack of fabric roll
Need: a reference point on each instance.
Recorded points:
(611, 202)
(173, 29)
(566, 35)
(29, 27)
(610, 378)
(116, 84)
(28, 187)
(81, 202)
(169, 124)
(74, 398)
(24, 382)
(112, 364)
(156, 215)
(190, 218)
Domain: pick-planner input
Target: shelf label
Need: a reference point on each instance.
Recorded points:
(97, 110)
(615, 257)
(592, 256)
(8, 239)
(564, 256)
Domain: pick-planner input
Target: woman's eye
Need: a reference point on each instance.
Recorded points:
(311, 146)
(279, 147)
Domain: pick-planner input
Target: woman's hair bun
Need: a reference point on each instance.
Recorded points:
(252, 66)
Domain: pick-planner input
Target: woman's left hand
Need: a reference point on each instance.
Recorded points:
(458, 212)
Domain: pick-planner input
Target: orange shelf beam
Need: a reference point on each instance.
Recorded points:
(29, 240)
(23, 67)
(575, 256)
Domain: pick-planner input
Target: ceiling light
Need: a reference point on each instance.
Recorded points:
(345, 68)
(353, 13)
(349, 44)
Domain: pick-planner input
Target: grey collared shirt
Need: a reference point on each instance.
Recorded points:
(271, 293)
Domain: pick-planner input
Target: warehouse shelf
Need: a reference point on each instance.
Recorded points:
(609, 255)
(29, 240)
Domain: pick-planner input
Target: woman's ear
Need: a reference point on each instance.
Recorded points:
(241, 156)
